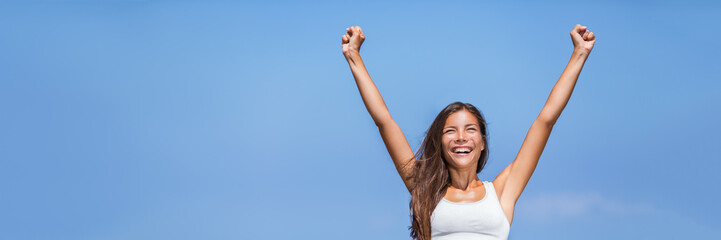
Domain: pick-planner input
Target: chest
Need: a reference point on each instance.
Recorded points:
(471, 195)
(478, 217)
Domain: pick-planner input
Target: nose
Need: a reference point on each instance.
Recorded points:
(461, 137)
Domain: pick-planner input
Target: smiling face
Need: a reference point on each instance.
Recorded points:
(462, 140)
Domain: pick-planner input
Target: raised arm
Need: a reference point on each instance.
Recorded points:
(393, 137)
(512, 180)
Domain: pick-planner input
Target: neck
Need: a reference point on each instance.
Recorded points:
(462, 178)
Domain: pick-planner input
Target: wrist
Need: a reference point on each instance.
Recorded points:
(351, 53)
(581, 52)
(354, 59)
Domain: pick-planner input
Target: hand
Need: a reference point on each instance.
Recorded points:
(583, 39)
(352, 40)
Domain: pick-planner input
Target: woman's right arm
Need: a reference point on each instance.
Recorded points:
(392, 135)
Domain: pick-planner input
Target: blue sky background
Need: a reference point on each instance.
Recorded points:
(241, 120)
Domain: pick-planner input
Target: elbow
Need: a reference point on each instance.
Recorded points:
(382, 119)
(548, 116)
(380, 123)
(546, 120)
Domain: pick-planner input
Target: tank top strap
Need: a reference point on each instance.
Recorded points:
(490, 189)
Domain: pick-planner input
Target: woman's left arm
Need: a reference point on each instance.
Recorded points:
(512, 180)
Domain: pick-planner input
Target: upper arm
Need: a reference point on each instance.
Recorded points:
(514, 178)
(399, 150)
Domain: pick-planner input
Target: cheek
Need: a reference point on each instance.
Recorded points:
(445, 142)
(478, 140)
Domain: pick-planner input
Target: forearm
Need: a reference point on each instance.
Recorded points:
(561, 92)
(369, 92)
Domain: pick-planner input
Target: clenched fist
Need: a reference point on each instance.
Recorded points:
(583, 39)
(352, 40)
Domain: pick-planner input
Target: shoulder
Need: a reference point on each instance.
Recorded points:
(498, 186)
(491, 184)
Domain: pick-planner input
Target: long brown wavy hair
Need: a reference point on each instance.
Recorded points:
(431, 178)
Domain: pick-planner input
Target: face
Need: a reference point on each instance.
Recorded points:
(462, 140)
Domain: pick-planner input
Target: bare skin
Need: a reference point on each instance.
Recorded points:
(462, 129)
(465, 185)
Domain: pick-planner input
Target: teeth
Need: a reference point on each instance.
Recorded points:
(462, 150)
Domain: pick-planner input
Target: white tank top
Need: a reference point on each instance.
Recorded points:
(479, 220)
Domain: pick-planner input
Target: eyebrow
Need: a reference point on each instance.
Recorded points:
(467, 125)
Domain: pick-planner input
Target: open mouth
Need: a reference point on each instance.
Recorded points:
(461, 150)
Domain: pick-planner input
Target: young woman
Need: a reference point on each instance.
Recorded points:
(448, 201)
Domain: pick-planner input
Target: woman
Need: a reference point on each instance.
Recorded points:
(448, 201)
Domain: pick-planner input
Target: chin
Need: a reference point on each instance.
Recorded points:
(462, 162)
